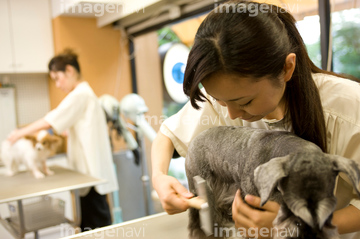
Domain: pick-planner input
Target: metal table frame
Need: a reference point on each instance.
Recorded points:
(24, 185)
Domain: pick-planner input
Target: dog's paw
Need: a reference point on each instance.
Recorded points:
(38, 174)
(10, 173)
(49, 172)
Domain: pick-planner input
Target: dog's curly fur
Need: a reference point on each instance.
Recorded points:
(275, 165)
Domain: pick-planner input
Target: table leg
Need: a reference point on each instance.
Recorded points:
(21, 219)
(76, 208)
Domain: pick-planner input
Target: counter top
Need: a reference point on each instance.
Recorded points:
(23, 185)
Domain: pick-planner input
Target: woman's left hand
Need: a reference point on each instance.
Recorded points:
(14, 136)
(255, 223)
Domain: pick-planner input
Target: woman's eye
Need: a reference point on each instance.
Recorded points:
(248, 103)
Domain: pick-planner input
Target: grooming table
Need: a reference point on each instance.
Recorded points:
(158, 226)
(24, 186)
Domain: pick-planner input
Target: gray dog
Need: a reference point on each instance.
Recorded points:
(275, 165)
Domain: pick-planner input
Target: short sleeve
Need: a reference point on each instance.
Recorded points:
(355, 203)
(344, 140)
(182, 127)
(343, 137)
(68, 112)
(341, 104)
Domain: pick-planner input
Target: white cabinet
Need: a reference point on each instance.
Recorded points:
(7, 112)
(26, 43)
(6, 54)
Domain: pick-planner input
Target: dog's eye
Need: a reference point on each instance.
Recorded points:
(298, 223)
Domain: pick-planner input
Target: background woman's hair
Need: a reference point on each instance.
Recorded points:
(256, 45)
(67, 57)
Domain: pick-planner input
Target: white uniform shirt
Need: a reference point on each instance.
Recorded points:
(341, 104)
(89, 150)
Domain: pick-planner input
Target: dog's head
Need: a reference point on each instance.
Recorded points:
(43, 141)
(306, 182)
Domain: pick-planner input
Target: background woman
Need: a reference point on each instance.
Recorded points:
(89, 151)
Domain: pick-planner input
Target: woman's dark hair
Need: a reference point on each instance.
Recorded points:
(251, 40)
(67, 57)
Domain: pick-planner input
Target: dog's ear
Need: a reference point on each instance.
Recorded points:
(55, 139)
(349, 167)
(32, 138)
(268, 174)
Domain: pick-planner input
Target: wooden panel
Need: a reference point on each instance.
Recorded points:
(103, 56)
(148, 74)
(149, 80)
(186, 30)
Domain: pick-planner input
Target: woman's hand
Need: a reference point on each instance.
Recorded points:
(14, 136)
(171, 193)
(28, 130)
(253, 221)
(347, 219)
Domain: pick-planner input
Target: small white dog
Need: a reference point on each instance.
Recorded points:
(32, 150)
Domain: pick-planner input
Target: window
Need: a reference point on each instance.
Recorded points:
(309, 29)
(346, 41)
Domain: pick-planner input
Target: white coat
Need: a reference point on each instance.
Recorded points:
(89, 150)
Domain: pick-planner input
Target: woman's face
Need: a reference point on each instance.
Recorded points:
(64, 80)
(246, 98)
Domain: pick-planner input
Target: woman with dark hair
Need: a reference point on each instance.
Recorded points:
(255, 70)
(89, 151)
